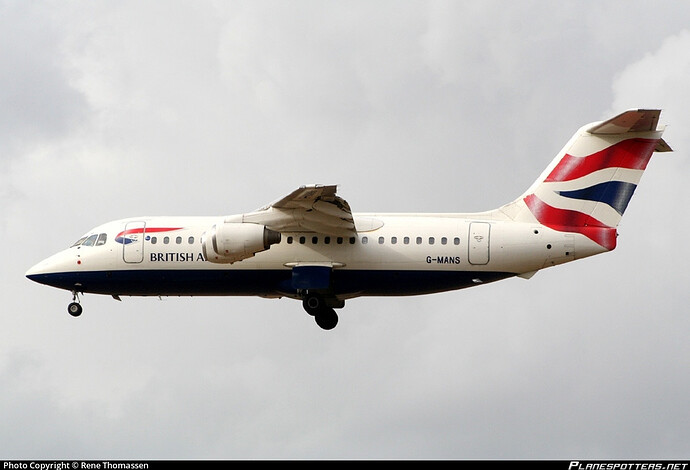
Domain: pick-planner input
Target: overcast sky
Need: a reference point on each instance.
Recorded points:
(117, 109)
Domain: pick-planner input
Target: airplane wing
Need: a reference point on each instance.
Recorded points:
(313, 208)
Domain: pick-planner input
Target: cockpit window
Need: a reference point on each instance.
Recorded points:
(97, 239)
(79, 242)
(91, 241)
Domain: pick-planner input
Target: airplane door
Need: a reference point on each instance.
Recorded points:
(133, 242)
(478, 245)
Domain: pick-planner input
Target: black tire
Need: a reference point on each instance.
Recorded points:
(313, 304)
(327, 319)
(74, 309)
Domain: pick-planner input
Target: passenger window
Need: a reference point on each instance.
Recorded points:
(190, 240)
(101, 239)
(302, 240)
(381, 240)
(289, 240)
(91, 241)
(178, 240)
(419, 240)
(327, 240)
(456, 241)
(315, 240)
(444, 240)
(352, 240)
(431, 240)
(394, 240)
(365, 240)
(339, 240)
(166, 240)
(406, 240)
(154, 240)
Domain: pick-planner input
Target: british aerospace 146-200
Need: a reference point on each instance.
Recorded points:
(309, 246)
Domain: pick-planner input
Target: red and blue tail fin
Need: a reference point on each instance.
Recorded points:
(588, 186)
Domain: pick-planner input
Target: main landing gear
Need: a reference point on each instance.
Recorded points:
(323, 314)
(74, 308)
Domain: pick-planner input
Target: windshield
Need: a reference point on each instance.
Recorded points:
(97, 239)
(79, 242)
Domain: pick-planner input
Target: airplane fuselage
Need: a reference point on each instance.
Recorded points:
(400, 254)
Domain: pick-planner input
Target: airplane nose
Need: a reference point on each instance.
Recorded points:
(50, 271)
(38, 272)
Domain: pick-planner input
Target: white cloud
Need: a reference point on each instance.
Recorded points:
(659, 80)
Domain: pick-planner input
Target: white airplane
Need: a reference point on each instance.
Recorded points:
(309, 246)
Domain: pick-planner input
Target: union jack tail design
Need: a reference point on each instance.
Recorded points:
(588, 186)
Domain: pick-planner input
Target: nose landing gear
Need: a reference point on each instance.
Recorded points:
(321, 310)
(327, 319)
(74, 308)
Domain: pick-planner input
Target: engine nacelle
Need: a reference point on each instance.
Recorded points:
(230, 242)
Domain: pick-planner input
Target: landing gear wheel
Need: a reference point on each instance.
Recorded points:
(74, 309)
(327, 319)
(313, 304)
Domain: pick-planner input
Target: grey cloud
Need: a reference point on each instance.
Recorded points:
(213, 108)
(38, 101)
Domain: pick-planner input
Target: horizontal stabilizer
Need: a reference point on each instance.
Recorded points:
(634, 120)
(662, 146)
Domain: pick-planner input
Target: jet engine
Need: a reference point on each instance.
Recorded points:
(230, 242)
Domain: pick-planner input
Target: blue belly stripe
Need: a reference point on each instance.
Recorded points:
(206, 282)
